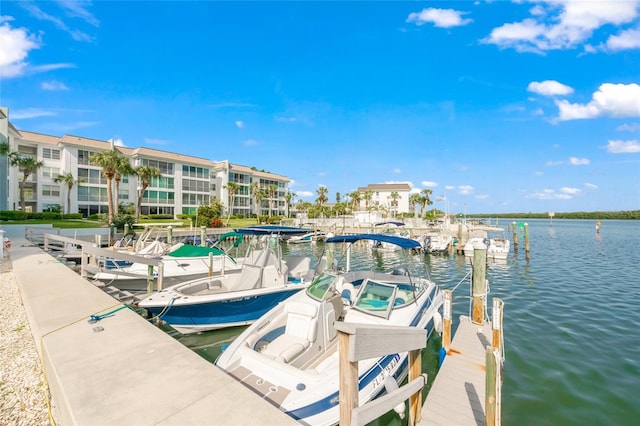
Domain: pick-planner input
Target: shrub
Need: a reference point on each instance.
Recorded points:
(121, 219)
(13, 215)
(216, 223)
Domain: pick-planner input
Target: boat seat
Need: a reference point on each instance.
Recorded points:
(299, 333)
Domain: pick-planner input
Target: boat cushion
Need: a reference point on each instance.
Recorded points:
(299, 332)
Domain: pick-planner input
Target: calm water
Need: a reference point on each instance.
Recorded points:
(571, 323)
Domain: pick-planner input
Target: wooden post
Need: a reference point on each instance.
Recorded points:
(348, 390)
(210, 264)
(126, 228)
(460, 243)
(496, 324)
(169, 235)
(160, 276)
(526, 239)
(492, 388)
(150, 279)
(203, 235)
(515, 236)
(446, 319)
(415, 401)
(479, 284)
(84, 259)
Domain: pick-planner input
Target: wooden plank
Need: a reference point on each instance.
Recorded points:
(365, 339)
(457, 396)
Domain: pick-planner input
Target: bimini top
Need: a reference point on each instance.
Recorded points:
(389, 222)
(272, 229)
(405, 243)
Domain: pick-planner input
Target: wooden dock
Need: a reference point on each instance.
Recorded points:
(457, 396)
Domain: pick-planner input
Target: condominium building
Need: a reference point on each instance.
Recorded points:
(186, 182)
(392, 197)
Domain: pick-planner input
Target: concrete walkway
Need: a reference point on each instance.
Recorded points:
(121, 369)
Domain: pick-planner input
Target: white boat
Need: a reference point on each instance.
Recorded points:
(188, 262)
(236, 298)
(436, 242)
(497, 245)
(308, 237)
(390, 227)
(290, 355)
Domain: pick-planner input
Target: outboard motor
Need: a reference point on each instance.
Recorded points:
(427, 243)
(400, 270)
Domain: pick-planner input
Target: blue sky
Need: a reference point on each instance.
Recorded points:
(526, 106)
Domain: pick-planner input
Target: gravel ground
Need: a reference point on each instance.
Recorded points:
(23, 389)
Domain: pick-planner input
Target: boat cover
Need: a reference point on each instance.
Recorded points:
(188, 250)
(405, 243)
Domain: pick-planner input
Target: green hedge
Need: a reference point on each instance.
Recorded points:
(20, 215)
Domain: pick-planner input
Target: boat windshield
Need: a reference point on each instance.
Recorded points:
(376, 298)
(321, 285)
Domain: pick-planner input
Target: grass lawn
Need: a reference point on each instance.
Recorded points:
(62, 223)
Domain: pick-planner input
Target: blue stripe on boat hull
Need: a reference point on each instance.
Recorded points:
(219, 313)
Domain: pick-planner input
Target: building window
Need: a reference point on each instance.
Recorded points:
(84, 156)
(50, 172)
(50, 191)
(195, 172)
(51, 154)
(91, 176)
(164, 167)
(123, 194)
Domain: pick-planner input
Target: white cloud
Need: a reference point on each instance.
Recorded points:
(76, 11)
(429, 184)
(574, 161)
(549, 88)
(118, 142)
(635, 127)
(396, 171)
(613, 100)
(482, 197)
(449, 187)
(554, 163)
(286, 119)
(21, 114)
(239, 124)
(623, 147)
(443, 18)
(550, 194)
(304, 194)
(250, 142)
(591, 185)
(625, 40)
(53, 85)
(465, 189)
(571, 191)
(562, 24)
(16, 45)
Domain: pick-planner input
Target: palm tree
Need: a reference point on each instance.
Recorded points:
(368, 195)
(414, 199)
(108, 161)
(145, 174)
(27, 165)
(232, 187)
(322, 197)
(260, 196)
(254, 188)
(426, 201)
(356, 197)
(123, 168)
(271, 190)
(394, 197)
(288, 198)
(69, 180)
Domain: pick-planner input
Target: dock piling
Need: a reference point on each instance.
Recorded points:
(479, 284)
